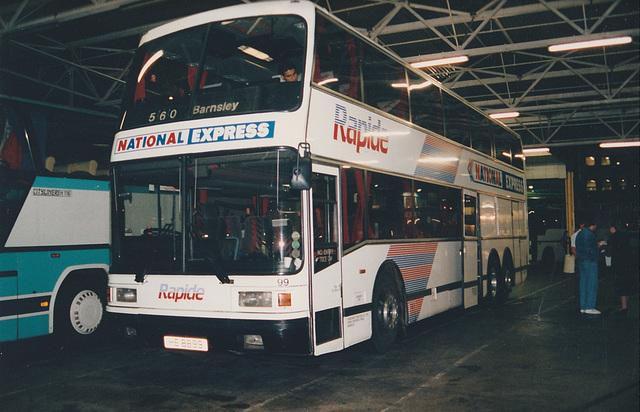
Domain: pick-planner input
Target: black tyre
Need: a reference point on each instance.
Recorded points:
(495, 284)
(79, 312)
(509, 274)
(386, 313)
(548, 262)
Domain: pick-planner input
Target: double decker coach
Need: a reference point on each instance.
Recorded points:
(282, 183)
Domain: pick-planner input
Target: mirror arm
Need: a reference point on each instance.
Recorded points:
(301, 174)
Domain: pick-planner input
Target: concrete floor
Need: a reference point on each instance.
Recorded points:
(534, 353)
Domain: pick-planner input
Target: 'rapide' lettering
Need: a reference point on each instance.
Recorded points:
(360, 133)
(175, 294)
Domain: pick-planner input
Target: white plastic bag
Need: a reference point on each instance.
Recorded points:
(569, 264)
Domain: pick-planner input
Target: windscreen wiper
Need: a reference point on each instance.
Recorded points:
(141, 271)
(219, 273)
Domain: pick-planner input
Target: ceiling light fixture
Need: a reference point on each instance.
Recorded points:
(329, 80)
(504, 115)
(413, 86)
(613, 145)
(440, 62)
(615, 41)
(255, 53)
(536, 151)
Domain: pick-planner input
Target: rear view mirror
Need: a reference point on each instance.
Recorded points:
(301, 173)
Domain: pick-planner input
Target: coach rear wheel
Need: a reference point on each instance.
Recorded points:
(509, 277)
(386, 314)
(495, 284)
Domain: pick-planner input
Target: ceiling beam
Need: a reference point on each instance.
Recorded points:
(65, 16)
(564, 96)
(504, 12)
(629, 67)
(384, 22)
(536, 44)
(51, 85)
(115, 35)
(67, 62)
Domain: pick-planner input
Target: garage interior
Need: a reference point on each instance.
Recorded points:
(68, 59)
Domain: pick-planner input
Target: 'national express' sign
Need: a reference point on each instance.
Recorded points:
(490, 176)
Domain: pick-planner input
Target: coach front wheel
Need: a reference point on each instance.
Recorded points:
(79, 312)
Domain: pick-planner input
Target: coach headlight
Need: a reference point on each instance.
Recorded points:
(126, 295)
(255, 299)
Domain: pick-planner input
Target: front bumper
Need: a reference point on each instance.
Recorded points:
(279, 336)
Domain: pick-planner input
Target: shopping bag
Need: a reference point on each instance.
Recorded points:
(569, 264)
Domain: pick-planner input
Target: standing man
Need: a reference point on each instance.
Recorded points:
(618, 249)
(587, 258)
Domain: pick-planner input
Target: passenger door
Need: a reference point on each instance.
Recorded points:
(326, 282)
(470, 250)
(521, 243)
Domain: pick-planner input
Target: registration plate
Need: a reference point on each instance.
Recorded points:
(186, 343)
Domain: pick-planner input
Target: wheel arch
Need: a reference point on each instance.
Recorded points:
(494, 257)
(548, 259)
(548, 250)
(507, 261)
(74, 274)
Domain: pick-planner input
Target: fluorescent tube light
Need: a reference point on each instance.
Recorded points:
(504, 115)
(590, 43)
(329, 80)
(255, 53)
(413, 86)
(440, 62)
(613, 145)
(534, 150)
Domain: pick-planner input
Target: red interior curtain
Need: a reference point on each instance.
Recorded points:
(261, 205)
(353, 61)
(191, 75)
(358, 221)
(366, 203)
(317, 74)
(141, 92)
(12, 152)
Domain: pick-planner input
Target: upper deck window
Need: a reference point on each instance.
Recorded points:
(219, 69)
(352, 67)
